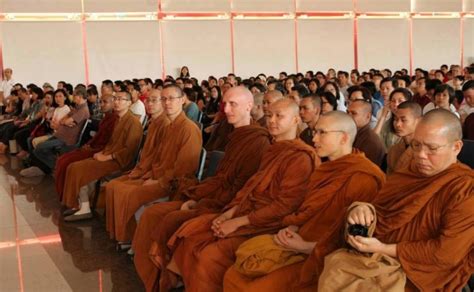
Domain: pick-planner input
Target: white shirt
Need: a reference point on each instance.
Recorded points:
(6, 88)
(432, 106)
(138, 109)
(60, 112)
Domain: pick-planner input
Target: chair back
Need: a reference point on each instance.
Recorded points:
(214, 160)
(466, 155)
(202, 161)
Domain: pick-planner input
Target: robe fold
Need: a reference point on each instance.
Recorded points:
(96, 144)
(398, 156)
(431, 219)
(368, 142)
(177, 160)
(219, 136)
(158, 223)
(275, 191)
(123, 144)
(333, 187)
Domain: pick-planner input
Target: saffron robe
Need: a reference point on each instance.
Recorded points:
(178, 159)
(123, 144)
(242, 158)
(431, 219)
(333, 187)
(274, 192)
(368, 142)
(96, 144)
(398, 156)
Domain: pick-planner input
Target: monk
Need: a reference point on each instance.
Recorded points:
(425, 210)
(96, 144)
(310, 109)
(117, 155)
(204, 247)
(241, 160)
(346, 177)
(156, 128)
(268, 99)
(175, 164)
(404, 123)
(366, 140)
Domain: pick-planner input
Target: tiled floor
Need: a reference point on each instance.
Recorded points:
(39, 252)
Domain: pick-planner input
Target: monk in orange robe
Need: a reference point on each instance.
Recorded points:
(346, 177)
(117, 155)
(243, 153)
(425, 212)
(204, 247)
(176, 162)
(404, 123)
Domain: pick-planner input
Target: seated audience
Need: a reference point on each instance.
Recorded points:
(67, 134)
(174, 165)
(203, 248)
(117, 155)
(347, 177)
(96, 144)
(432, 195)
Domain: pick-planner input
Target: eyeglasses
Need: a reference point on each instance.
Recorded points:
(171, 98)
(323, 132)
(430, 149)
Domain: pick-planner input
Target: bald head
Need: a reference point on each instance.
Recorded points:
(238, 104)
(413, 107)
(240, 92)
(287, 103)
(283, 119)
(270, 97)
(342, 122)
(445, 122)
(361, 112)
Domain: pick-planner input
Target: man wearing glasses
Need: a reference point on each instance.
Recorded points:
(117, 155)
(425, 211)
(174, 165)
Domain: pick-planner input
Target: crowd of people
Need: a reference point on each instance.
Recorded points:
(326, 181)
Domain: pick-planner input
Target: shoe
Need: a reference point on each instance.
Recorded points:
(31, 172)
(69, 212)
(74, 217)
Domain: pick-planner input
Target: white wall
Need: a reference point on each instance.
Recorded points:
(43, 52)
(52, 51)
(384, 43)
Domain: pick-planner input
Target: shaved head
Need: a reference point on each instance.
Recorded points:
(446, 123)
(238, 104)
(270, 97)
(414, 108)
(288, 103)
(364, 106)
(283, 119)
(241, 92)
(343, 122)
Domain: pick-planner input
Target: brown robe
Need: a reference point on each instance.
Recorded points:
(154, 137)
(368, 142)
(177, 160)
(431, 221)
(219, 137)
(398, 156)
(275, 191)
(241, 160)
(333, 187)
(123, 145)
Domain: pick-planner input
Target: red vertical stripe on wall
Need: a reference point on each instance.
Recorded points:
(85, 51)
(232, 50)
(410, 43)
